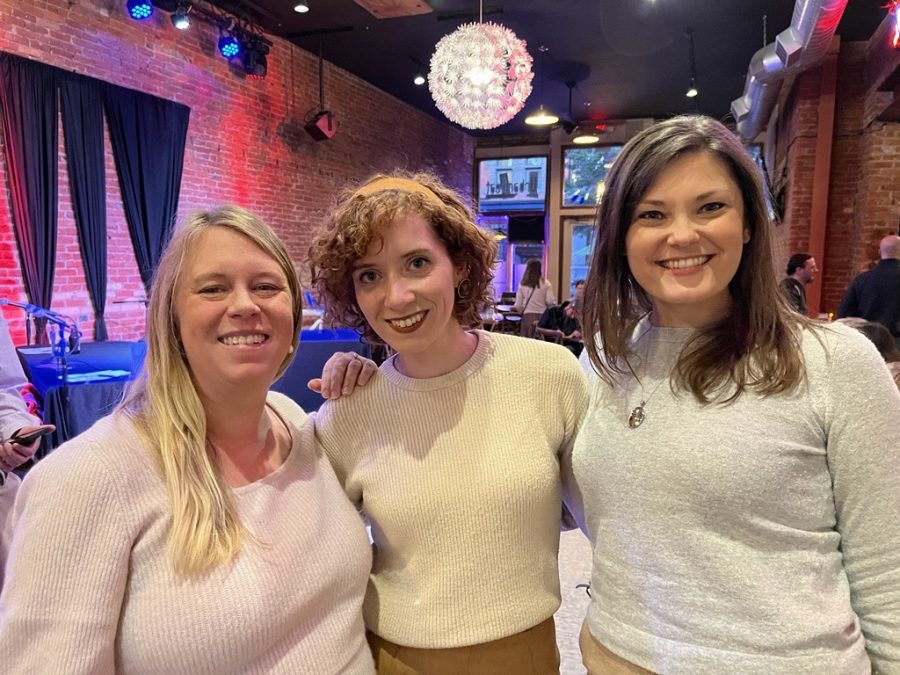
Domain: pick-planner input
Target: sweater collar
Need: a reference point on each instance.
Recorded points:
(482, 351)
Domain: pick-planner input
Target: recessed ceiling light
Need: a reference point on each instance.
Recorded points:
(301, 7)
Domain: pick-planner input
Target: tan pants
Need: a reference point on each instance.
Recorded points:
(598, 660)
(531, 652)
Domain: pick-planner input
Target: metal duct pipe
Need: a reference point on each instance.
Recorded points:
(795, 49)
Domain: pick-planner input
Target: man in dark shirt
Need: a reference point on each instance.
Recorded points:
(801, 270)
(564, 324)
(875, 295)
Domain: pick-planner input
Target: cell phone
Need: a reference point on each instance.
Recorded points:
(28, 439)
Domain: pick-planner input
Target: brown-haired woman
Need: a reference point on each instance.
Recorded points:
(453, 450)
(533, 297)
(742, 491)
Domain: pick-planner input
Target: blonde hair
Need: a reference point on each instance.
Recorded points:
(165, 407)
(361, 215)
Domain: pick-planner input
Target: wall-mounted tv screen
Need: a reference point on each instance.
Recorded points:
(512, 184)
(584, 174)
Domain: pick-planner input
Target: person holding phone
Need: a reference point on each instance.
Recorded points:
(21, 433)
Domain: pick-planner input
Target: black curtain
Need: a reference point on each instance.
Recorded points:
(148, 136)
(82, 113)
(29, 98)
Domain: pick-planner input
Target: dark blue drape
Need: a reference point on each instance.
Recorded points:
(82, 113)
(29, 97)
(148, 136)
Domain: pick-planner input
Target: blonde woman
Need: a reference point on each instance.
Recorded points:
(196, 529)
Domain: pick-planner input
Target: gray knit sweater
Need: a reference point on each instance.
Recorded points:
(759, 537)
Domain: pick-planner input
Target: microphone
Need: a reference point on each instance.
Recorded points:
(37, 311)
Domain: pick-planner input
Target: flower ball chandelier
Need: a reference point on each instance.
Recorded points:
(480, 75)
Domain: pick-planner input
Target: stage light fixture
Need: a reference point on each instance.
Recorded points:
(254, 57)
(229, 47)
(140, 9)
(181, 18)
(301, 7)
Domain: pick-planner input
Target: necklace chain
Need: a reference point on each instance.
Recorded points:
(638, 415)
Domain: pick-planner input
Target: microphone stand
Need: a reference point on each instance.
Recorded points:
(61, 348)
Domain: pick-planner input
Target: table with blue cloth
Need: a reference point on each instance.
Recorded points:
(98, 375)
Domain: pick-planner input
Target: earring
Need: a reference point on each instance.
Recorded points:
(463, 289)
(291, 349)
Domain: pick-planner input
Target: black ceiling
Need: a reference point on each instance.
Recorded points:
(630, 58)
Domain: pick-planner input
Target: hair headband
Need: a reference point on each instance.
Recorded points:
(402, 184)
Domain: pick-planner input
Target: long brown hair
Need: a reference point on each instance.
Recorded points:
(757, 346)
(532, 276)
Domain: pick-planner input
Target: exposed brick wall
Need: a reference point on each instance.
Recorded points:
(864, 186)
(246, 142)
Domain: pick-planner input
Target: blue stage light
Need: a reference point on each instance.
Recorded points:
(140, 9)
(229, 46)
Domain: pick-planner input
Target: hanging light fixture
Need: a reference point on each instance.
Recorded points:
(585, 137)
(181, 16)
(692, 90)
(542, 117)
(480, 74)
(419, 72)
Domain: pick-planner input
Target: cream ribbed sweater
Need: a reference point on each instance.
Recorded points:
(91, 587)
(459, 476)
(758, 537)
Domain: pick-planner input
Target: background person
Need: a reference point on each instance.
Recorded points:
(577, 298)
(197, 529)
(740, 486)
(801, 270)
(563, 322)
(875, 295)
(453, 450)
(882, 340)
(14, 420)
(533, 296)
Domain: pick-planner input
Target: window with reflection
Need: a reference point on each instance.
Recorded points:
(584, 174)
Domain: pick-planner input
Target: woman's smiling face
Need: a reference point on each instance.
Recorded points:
(405, 286)
(686, 238)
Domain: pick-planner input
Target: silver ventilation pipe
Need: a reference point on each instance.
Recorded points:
(795, 49)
